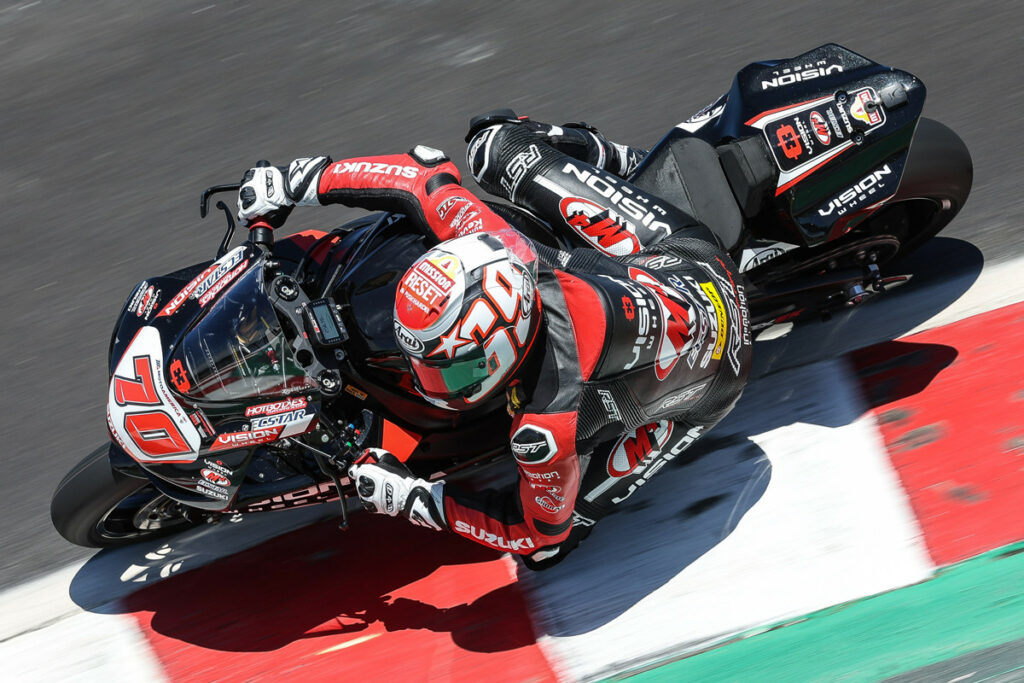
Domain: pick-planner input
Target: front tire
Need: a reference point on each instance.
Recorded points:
(97, 507)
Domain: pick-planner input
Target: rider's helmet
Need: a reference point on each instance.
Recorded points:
(466, 316)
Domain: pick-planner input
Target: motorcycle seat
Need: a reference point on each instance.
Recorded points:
(687, 173)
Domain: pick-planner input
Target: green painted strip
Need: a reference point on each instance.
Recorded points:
(967, 607)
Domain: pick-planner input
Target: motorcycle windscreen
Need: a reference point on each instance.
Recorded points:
(239, 349)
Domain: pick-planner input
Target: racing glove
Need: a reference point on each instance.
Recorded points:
(271, 192)
(385, 485)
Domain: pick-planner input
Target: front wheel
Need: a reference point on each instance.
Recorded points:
(97, 507)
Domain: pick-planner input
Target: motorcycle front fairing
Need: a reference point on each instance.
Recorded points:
(202, 378)
(838, 127)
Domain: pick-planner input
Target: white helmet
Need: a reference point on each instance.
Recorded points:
(466, 315)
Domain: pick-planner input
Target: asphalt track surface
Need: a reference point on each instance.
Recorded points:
(117, 114)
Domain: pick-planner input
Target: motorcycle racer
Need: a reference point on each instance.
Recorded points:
(613, 358)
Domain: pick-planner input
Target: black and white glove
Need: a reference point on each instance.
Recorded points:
(271, 192)
(388, 487)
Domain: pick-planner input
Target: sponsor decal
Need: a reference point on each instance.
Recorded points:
(178, 377)
(874, 183)
(212, 490)
(220, 284)
(755, 256)
(426, 288)
(630, 204)
(147, 302)
(133, 303)
(659, 461)
(800, 73)
(704, 115)
(820, 128)
(835, 123)
(465, 220)
(493, 540)
(204, 281)
(677, 329)
(609, 405)
(245, 439)
(543, 476)
(600, 226)
(278, 419)
(661, 262)
(864, 109)
(407, 340)
(218, 467)
(201, 422)
(545, 503)
(446, 207)
(378, 168)
(737, 310)
(358, 393)
(789, 142)
(516, 170)
(287, 405)
(533, 445)
(628, 308)
(722, 322)
(633, 450)
(683, 396)
(215, 478)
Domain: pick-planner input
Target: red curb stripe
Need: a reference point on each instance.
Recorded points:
(950, 406)
(384, 600)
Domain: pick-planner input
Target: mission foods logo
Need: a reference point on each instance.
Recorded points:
(425, 290)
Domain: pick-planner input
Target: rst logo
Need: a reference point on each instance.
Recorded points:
(870, 184)
(378, 168)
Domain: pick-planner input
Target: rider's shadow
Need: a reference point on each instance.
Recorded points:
(807, 389)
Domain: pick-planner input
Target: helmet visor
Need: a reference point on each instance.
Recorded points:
(460, 378)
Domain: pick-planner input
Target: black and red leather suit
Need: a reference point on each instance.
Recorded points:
(642, 349)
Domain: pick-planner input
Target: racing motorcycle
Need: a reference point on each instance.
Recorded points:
(250, 383)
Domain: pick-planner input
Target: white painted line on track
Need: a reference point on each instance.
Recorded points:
(83, 647)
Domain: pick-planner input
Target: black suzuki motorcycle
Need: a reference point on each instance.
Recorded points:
(250, 383)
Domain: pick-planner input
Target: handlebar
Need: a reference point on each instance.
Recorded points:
(260, 232)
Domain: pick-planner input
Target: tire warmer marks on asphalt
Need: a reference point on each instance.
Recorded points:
(950, 406)
(948, 402)
(382, 601)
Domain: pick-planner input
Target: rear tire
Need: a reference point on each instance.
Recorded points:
(97, 507)
(935, 185)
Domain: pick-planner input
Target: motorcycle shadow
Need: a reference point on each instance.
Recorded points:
(943, 270)
(303, 590)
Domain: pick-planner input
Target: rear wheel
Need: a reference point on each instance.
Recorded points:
(934, 187)
(97, 507)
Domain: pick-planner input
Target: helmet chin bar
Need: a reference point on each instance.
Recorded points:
(291, 303)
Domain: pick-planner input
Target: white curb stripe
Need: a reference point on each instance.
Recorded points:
(833, 524)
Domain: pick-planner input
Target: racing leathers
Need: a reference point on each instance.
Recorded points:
(644, 342)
